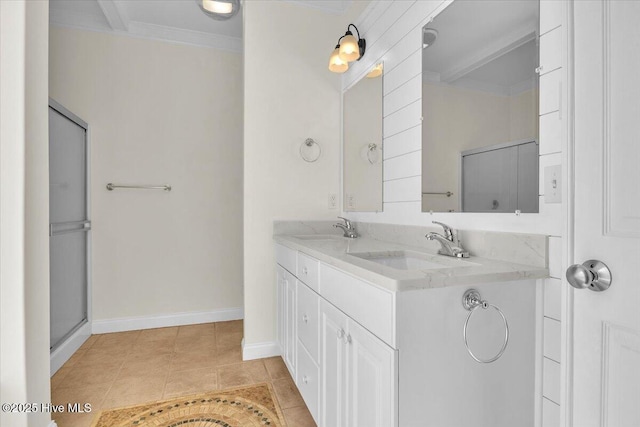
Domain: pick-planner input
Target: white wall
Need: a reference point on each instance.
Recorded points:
(158, 113)
(290, 95)
(24, 199)
(393, 32)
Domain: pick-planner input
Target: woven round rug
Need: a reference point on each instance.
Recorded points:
(239, 407)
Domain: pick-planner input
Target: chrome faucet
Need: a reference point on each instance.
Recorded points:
(449, 243)
(347, 227)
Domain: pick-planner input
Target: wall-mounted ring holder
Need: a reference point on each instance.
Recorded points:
(310, 150)
(373, 153)
(471, 301)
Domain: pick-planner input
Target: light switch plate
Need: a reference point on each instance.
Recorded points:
(351, 201)
(333, 201)
(553, 184)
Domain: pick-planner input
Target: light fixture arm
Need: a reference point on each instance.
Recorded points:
(362, 44)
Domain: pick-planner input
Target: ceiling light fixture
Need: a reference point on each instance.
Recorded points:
(347, 50)
(220, 10)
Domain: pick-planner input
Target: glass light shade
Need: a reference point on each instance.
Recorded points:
(336, 64)
(220, 10)
(349, 49)
(217, 6)
(375, 71)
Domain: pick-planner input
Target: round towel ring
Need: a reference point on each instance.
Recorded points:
(471, 301)
(310, 150)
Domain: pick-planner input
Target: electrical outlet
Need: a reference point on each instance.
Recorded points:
(333, 201)
(351, 201)
(552, 184)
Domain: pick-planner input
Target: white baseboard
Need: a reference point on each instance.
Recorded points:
(260, 350)
(61, 354)
(165, 320)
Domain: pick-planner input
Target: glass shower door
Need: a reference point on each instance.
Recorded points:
(69, 223)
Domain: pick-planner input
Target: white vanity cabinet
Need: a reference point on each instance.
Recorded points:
(286, 285)
(346, 374)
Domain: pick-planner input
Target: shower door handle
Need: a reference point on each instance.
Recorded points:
(58, 228)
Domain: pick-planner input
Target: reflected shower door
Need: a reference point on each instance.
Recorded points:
(69, 223)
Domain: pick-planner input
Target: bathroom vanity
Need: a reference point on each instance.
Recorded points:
(372, 330)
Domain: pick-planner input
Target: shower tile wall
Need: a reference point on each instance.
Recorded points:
(393, 30)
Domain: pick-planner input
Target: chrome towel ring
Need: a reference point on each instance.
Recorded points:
(471, 300)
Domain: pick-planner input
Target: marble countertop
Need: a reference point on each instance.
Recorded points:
(337, 252)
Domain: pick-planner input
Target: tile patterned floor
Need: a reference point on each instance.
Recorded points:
(128, 368)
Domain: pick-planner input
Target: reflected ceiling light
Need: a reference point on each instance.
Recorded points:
(375, 71)
(219, 9)
(429, 37)
(348, 49)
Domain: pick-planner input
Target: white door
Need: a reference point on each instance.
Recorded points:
(371, 373)
(606, 340)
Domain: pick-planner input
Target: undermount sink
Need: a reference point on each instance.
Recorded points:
(407, 260)
(319, 237)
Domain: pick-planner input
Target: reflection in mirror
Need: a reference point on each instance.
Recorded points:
(480, 108)
(362, 144)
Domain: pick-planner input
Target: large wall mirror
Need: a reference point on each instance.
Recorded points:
(480, 108)
(362, 144)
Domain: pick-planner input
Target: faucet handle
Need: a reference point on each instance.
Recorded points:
(448, 232)
(346, 222)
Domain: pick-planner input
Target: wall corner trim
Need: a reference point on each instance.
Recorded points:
(165, 320)
(260, 350)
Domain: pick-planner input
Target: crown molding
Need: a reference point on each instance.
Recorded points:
(146, 31)
(116, 17)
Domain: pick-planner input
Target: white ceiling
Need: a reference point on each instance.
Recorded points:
(490, 42)
(179, 21)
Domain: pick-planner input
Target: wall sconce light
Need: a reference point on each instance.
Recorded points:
(347, 50)
(376, 71)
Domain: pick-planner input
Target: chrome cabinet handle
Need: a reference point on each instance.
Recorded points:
(305, 379)
(593, 275)
(305, 318)
(305, 271)
(349, 340)
(340, 333)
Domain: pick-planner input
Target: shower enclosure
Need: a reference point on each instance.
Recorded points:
(69, 224)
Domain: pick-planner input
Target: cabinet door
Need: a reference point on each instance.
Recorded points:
(280, 293)
(371, 380)
(289, 286)
(333, 398)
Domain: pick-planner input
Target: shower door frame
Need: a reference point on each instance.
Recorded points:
(81, 332)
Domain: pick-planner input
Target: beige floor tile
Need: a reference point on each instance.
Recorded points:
(93, 395)
(151, 347)
(276, 368)
(147, 387)
(299, 417)
(158, 334)
(230, 326)
(88, 343)
(228, 339)
(80, 377)
(229, 355)
(118, 400)
(197, 330)
(74, 420)
(57, 378)
(288, 394)
(244, 373)
(192, 344)
(190, 382)
(136, 365)
(117, 340)
(189, 361)
(96, 356)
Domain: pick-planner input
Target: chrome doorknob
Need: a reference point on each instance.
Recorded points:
(593, 275)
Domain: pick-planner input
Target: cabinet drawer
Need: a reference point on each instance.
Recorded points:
(286, 257)
(308, 271)
(369, 305)
(307, 319)
(308, 380)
